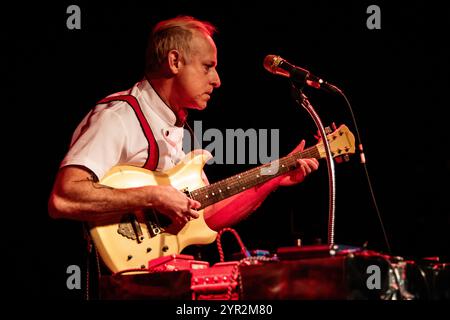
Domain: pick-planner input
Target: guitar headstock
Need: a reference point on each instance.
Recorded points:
(342, 143)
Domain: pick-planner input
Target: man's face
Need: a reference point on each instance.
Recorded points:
(198, 75)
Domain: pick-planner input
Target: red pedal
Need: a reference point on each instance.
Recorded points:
(176, 262)
(213, 283)
(207, 283)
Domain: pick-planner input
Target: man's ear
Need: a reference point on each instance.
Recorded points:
(174, 60)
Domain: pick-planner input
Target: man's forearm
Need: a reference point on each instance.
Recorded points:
(236, 208)
(76, 195)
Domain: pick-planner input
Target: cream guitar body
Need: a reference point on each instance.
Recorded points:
(142, 238)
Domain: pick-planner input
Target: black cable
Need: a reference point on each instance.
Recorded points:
(363, 162)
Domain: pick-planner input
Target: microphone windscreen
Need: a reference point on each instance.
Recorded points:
(269, 63)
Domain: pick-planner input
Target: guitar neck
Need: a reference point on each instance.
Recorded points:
(238, 183)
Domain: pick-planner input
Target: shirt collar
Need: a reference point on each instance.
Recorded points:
(154, 101)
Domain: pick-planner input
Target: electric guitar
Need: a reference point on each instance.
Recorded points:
(132, 240)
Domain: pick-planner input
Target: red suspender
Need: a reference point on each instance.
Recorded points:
(153, 152)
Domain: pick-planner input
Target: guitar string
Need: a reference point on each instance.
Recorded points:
(285, 164)
(232, 185)
(249, 176)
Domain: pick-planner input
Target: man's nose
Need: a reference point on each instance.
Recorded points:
(216, 79)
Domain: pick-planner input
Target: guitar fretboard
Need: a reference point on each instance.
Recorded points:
(228, 187)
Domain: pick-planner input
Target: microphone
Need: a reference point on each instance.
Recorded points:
(277, 65)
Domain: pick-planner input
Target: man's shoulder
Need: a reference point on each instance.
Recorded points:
(121, 97)
(119, 107)
(122, 102)
(118, 101)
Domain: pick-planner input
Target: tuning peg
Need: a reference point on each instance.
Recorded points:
(346, 158)
(338, 159)
(328, 130)
(317, 136)
(333, 126)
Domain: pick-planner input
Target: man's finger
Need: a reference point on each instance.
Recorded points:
(194, 213)
(304, 167)
(194, 204)
(299, 148)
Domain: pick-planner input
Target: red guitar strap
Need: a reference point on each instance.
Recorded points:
(153, 152)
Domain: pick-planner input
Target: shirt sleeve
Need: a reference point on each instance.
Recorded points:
(98, 143)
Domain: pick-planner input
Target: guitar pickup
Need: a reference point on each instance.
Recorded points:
(154, 229)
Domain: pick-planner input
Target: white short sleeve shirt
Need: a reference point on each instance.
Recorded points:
(111, 134)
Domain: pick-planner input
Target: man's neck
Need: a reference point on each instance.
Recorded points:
(164, 89)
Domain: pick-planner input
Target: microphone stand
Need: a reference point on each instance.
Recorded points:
(302, 100)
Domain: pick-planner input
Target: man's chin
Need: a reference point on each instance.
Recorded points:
(197, 105)
(200, 106)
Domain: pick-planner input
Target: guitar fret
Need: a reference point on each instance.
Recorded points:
(217, 191)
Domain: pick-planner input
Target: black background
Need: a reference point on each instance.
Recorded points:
(396, 79)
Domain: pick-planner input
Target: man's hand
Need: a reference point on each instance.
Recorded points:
(305, 167)
(174, 204)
